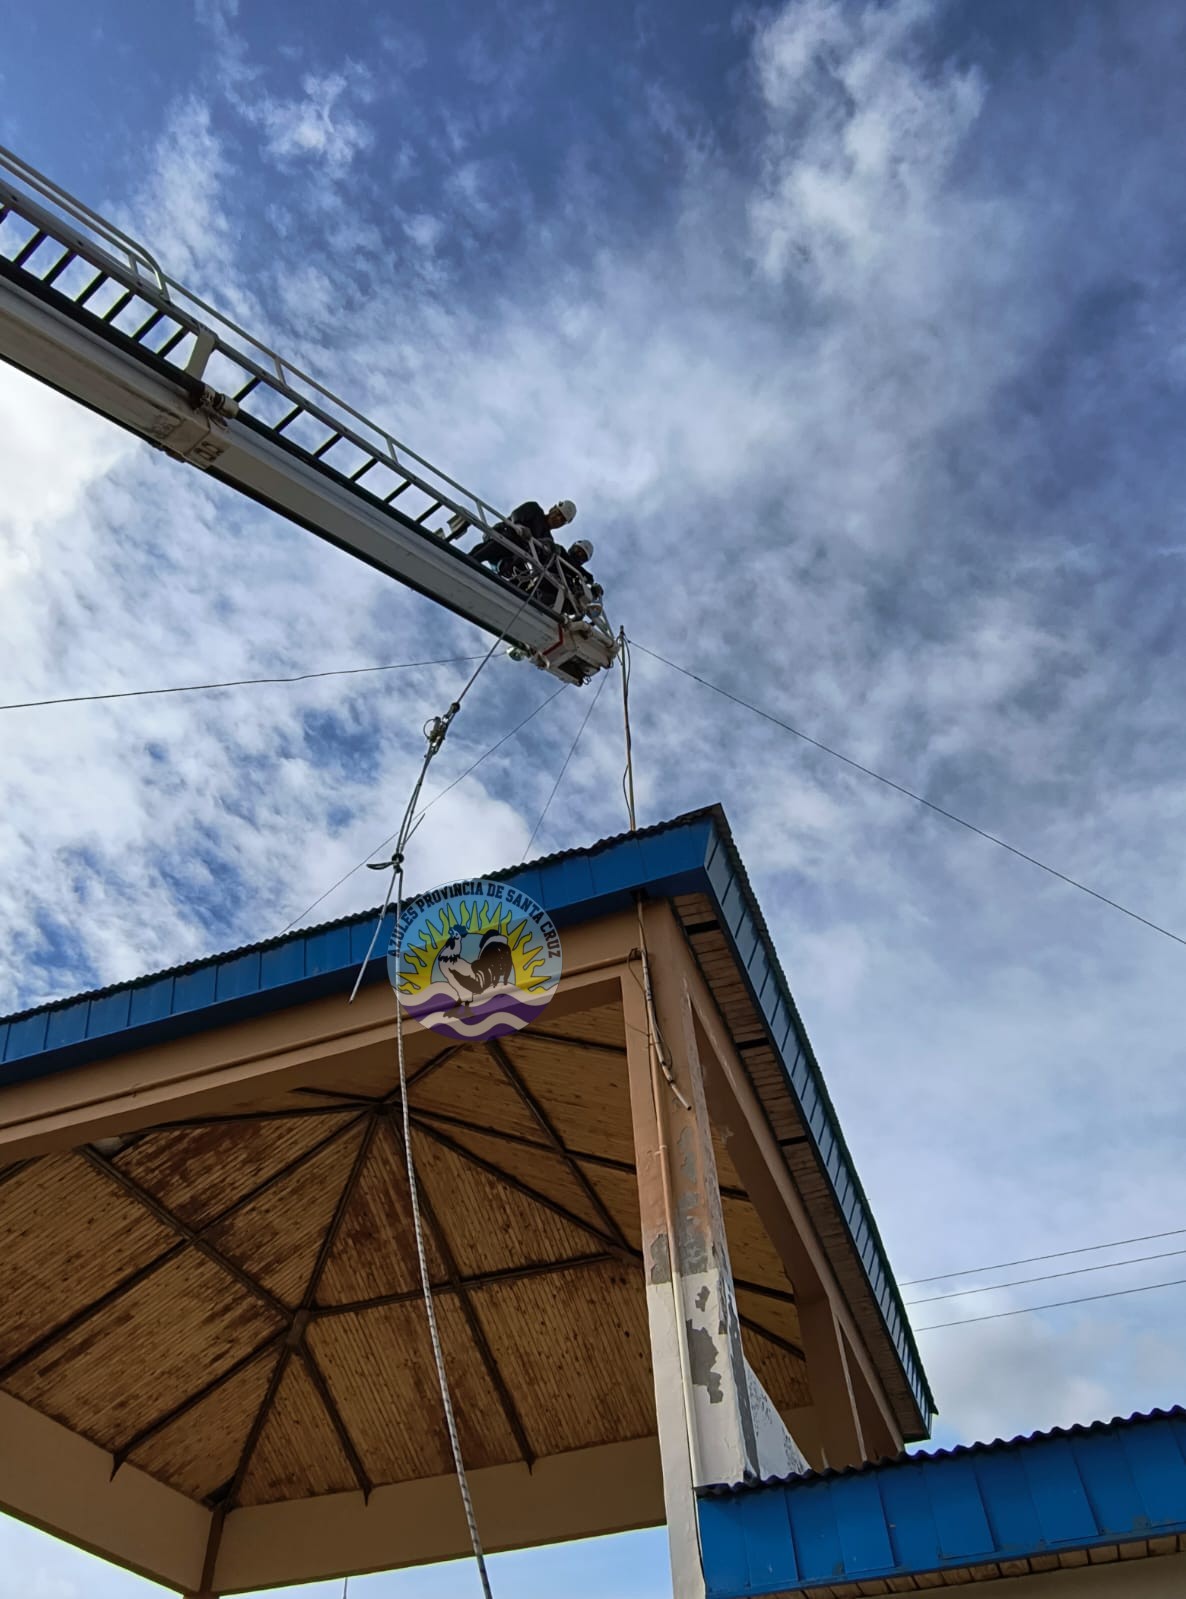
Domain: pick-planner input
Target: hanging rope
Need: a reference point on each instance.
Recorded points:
(564, 768)
(421, 1256)
(435, 732)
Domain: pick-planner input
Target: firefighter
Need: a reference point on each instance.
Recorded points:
(530, 529)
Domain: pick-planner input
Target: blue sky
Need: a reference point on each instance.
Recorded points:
(858, 333)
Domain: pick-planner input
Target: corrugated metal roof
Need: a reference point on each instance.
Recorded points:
(692, 853)
(951, 1510)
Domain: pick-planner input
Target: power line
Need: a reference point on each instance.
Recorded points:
(440, 795)
(1032, 1260)
(1026, 1310)
(237, 682)
(909, 793)
(1047, 1277)
(564, 768)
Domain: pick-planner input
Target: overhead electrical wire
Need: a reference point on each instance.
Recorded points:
(1032, 1260)
(564, 768)
(1026, 1310)
(236, 682)
(1047, 1277)
(909, 793)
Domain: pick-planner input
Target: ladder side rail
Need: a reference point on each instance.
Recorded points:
(189, 390)
(173, 298)
(81, 212)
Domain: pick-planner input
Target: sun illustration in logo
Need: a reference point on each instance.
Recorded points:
(475, 966)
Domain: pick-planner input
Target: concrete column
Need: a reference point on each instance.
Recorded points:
(716, 1423)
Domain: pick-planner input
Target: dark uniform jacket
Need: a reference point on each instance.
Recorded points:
(534, 518)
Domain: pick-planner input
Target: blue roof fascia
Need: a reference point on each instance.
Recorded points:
(1081, 1489)
(313, 963)
(742, 920)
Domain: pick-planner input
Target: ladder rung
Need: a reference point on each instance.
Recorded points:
(59, 267)
(241, 394)
(365, 467)
(96, 282)
(121, 304)
(395, 493)
(291, 417)
(425, 514)
(26, 249)
(172, 342)
(148, 325)
(328, 445)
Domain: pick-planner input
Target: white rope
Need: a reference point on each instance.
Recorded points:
(425, 1281)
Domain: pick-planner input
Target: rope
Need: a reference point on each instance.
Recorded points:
(425, 1281)
(564, 768)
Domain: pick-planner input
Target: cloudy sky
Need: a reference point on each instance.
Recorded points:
(858, 333)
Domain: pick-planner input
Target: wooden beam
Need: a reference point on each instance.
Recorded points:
(606, 1239)
(126, 1450)
(191, 1235)
(488, 1279)
(554, 1139)
(476, 1331)
(349, 1449)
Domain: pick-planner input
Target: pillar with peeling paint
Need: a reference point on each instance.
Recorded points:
(716, 1422)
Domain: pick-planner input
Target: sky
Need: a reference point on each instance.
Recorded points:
(857, 331)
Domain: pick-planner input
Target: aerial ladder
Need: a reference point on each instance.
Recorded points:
(89, 311)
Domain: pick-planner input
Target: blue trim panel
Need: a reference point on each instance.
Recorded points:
(1005, 1501)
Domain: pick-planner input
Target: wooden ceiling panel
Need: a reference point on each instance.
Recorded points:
(298, 1453)
(584, 1092)
(603, 1024)
(199, 1172)
(541, 1169)
(619, 1194)
(378, 1365)
(471, 1085)
(199, 1451)
(487, 1224)
(277, 1237)
(751, 1254)
(375, 1250)
(67, 1237)
(781, 1373)
(578, 1349)
(146, 1352)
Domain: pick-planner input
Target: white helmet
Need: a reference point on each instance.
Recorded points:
(584, 545)
(569, 509)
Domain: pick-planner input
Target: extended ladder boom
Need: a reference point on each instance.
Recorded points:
(89, 311)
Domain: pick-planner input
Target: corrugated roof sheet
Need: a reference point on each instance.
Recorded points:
(949, 1510)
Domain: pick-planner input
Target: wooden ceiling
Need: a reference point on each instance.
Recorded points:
(232, 1304)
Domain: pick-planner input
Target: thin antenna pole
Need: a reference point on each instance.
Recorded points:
(628, 774)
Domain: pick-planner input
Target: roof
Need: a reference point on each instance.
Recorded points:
(991, 1509)
(692, 855)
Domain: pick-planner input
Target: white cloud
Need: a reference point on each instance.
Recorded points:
(317, 125)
